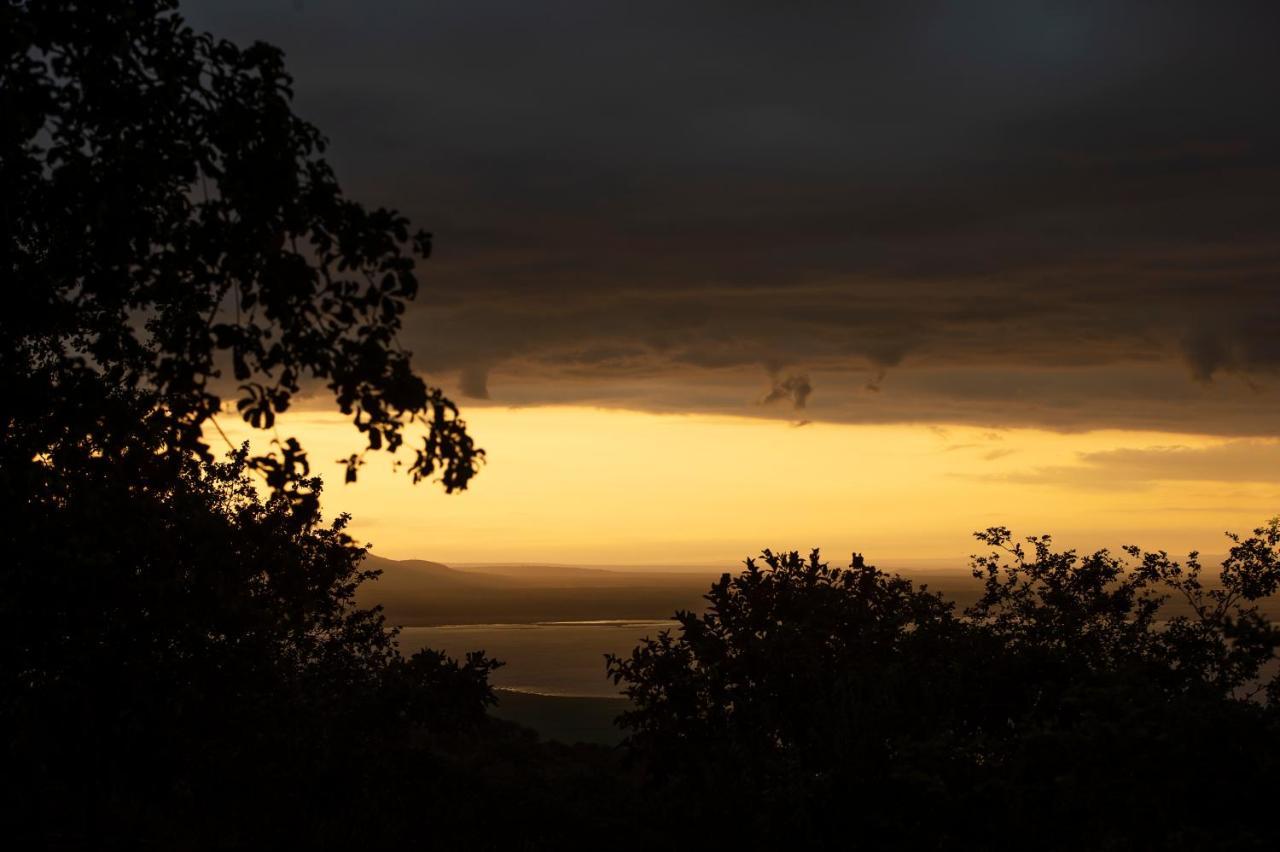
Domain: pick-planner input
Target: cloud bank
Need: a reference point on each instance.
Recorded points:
(1005, 213)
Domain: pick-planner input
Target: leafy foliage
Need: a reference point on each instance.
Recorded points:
(182, 663)
(193, 643)
(1089, 696)
(172, 230)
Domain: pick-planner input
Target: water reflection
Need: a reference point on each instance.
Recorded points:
(549, 658)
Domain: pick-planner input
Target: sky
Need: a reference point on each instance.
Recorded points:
(1008, 262)
(613, 487)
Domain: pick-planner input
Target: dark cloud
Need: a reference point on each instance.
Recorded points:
(473, 382)
(795, 389)
(1019, 212)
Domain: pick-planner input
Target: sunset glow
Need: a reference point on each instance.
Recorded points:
(568, 484)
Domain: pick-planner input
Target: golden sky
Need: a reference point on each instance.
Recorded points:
(597, 486)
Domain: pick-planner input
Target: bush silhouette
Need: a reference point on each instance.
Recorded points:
(180, 651)
(1073, 706)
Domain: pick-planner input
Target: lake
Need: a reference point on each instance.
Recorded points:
(561, 658)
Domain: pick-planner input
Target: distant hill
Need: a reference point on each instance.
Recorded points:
(535, 574)
(416, 592)
(406, 576)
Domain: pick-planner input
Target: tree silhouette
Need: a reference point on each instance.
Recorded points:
(181, 662)
(174, 648)
(172, 230)
(1082, 702)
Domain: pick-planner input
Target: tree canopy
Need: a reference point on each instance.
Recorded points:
(1084, 701)
(173, 234)
(173, 647)
(182, 663)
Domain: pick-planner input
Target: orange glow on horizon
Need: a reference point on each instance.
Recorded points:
(583, 485)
